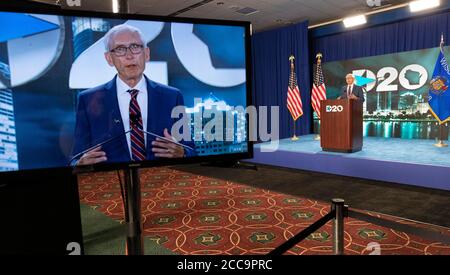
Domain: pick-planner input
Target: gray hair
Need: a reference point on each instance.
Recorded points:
(109, 36)
(350, 75)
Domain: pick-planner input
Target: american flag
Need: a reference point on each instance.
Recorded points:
(318, 92)
(294, 102)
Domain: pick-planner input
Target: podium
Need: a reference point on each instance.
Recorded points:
(341, 125)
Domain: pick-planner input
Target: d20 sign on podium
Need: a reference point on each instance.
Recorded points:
(341, 125)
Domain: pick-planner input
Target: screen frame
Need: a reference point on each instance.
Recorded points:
(57, 10)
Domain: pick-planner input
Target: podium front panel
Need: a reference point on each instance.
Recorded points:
(341, 125)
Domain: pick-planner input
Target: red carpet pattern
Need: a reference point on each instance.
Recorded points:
(192, 214)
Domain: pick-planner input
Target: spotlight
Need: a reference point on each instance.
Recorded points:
(115, 6)
(354, 21)
(421, 5)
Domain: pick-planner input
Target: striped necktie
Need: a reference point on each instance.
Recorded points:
(136, 125)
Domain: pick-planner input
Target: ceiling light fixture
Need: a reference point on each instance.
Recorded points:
(354, 21)
(115, 6)
(421, 5)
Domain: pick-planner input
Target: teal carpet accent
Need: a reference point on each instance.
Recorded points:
(105, 236)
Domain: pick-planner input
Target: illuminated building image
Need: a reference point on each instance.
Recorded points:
(86, 31)
(233, 137)
(8, 147)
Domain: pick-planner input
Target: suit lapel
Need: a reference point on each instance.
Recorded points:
(152, 114)
(112, 103)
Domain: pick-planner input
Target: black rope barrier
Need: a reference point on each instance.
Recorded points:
(302, 235)
(338, 212)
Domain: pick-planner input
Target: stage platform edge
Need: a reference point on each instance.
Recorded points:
(411, 162)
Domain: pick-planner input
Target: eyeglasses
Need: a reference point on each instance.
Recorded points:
(122, 50)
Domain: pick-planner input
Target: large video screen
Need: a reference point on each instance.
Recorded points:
(396, 88)
(82, 90)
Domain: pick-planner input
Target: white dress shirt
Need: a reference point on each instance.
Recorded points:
(349, 90)
(124, 98)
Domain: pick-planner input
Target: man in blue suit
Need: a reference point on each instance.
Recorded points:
(129, 102)
(351, 90)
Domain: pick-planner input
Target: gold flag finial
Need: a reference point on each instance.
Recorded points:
(319, 57)
(292, 58)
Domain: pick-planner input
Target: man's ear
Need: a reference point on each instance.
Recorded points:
(109, 59)
(147, 54)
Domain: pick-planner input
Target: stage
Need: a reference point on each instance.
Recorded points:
(407, 161)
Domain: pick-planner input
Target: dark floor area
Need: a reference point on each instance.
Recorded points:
(411, 202)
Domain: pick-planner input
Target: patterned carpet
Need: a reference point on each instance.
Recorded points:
(192, 214)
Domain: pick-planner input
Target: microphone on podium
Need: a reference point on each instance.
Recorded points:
(134, 122)
(97, 145)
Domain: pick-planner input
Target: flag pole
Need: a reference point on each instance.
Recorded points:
(319, 61)
(441, 143)
(291, 59)
(294, 137)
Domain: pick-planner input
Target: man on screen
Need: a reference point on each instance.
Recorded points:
(126, 109)
(351, 90)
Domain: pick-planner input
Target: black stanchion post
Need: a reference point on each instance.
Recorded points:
(133, 211)
(338, 226)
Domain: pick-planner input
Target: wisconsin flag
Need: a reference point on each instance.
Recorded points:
(439, 94)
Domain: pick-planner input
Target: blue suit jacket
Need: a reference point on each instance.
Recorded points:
(357, 91)
(98, 119)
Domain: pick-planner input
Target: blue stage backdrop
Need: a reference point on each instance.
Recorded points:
(271, 68)
(409, 35)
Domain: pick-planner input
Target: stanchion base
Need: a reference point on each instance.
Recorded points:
(441, 144)
(134, 245)
(294, 138)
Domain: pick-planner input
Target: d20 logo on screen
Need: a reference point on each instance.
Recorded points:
(33, 50)
(84, 72)
(195, 56)
(334, 108)
(388, 79)
(193, 53)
